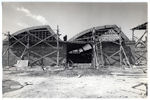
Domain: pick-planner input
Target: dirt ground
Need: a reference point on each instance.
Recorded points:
(75, 83)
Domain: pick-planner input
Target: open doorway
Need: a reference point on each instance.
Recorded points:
(79, 53)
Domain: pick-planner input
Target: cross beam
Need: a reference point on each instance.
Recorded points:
(41, 40)
(44, 57)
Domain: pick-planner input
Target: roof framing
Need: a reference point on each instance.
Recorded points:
(100, 28)
(140, 27)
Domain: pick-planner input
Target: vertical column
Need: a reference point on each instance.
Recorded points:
(42, 64)
(101, 51)
(94, 49)
(132, 35)
(28, 49)
(146, 38)
(57, 45)
(120, 42)
(8, 49)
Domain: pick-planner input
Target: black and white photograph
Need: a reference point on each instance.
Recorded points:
(74, 50)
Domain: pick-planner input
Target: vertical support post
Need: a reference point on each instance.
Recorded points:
(97, 59)
(120, 42)
(101, 51)
(28, 49)
(94, 50)
(146, 38)
(132, 35)
(57, 45)
(42, 64)
(93, 46)
(8, 49)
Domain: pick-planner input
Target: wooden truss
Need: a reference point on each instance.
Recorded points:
(140, 46)
(99, 55)
(27, 48)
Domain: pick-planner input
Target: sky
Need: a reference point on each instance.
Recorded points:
(72, 18)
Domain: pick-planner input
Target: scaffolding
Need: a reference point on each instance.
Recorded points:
(98, 54)
(94, 37)
(140, 44)
(26, 43)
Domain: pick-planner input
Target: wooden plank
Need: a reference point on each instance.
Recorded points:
(114, 54)
(106, 59)
(42, 64)
(110, 58)
(132, 35)
(84, 38)
(57, 46)
(12, 45)
(28, 47)
(141, 56)
(41, 40)
(120, 41)
(141, 41)
(39, 30)
(126, 57)
(8, 50)
(44, 56)
(95, 62)
(139, 59)
(140, 38)
(23, 52)
(5, 51)
(115, 42)
(101, 51)
(18, 41)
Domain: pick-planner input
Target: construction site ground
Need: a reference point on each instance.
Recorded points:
(110, 82)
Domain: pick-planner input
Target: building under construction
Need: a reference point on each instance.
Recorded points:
(98, 46)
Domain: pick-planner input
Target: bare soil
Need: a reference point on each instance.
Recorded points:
(78, 83)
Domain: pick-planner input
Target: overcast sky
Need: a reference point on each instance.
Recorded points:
(72, 18)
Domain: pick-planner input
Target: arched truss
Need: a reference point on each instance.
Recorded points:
(101, 38)
(35, 44)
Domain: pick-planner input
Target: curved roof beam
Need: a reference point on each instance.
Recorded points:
(100, 28)
(36, 27)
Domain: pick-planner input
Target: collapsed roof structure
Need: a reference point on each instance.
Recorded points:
(99, 46)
